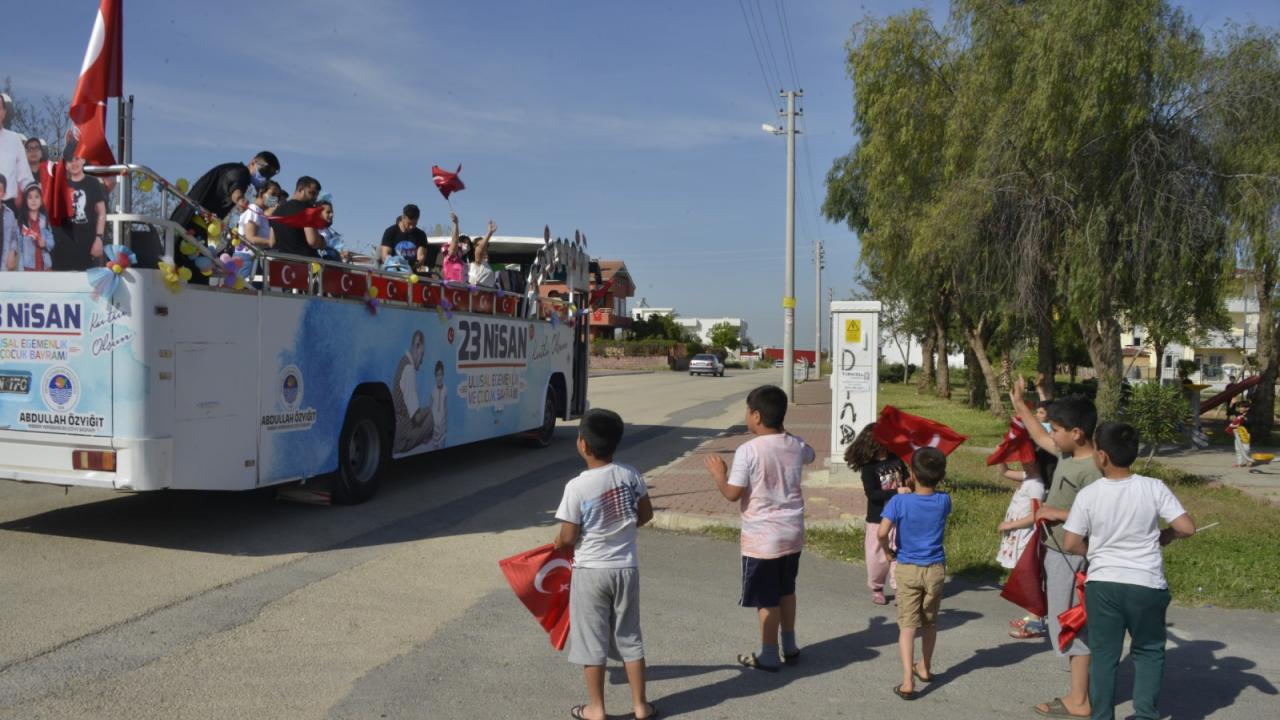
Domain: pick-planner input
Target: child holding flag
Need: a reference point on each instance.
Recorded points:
(1019, 520)
(599, 514)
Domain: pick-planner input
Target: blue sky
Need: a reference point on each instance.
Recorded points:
(636, 122)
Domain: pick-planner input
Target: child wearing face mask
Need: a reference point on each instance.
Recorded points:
(255, 221)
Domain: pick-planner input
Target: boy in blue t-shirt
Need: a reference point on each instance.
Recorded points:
(921, 519)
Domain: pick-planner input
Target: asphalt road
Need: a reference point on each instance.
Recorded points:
(199, 605)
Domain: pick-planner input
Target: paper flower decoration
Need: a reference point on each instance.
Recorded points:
(104, 281)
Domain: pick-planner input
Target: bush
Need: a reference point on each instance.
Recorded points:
(693, 347)
(892, 372)
(631, 348)
(1158, 412)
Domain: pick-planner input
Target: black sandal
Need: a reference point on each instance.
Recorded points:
(752, 661)
(904, 694)
(653, 712)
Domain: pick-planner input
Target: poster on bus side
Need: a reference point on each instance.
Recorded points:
(451, 378)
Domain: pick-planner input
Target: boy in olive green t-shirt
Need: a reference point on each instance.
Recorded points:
(1073, 420)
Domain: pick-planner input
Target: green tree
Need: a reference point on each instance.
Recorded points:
(1158, 412)
(1243, 79)
(659, 327)
(724, 335)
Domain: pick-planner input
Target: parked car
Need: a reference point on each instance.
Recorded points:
(706, 364)
(779, 364)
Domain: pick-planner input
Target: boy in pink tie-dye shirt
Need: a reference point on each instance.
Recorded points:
(765, 481)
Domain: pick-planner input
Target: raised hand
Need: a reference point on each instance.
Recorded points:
(493, 227)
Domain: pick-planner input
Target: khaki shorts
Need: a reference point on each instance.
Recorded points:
(919, 594)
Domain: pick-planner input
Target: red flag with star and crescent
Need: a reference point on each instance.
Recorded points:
(540, 578)
(101, 77)
(312, 217)
(1016, 446)
(447, 182)
(903, 433)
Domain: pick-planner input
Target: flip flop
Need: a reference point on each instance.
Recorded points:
(922, 678)
(904, 694)
(1056, 710)
(577, 712)
(752, 661)
(653, 712)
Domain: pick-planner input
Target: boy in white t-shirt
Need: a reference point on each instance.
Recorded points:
(765, 481)
(1115, 522)
(599, 514)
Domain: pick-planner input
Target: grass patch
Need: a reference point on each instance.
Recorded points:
(1231, 565)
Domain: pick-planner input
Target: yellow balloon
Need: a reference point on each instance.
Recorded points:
(215, 228)
(235, 242)
(373, 292)
(315, 267)
(186, 247)
(146, 183)
(413, 279)
(207, 272)
(183, 185)
(239, 283)
(184, 273)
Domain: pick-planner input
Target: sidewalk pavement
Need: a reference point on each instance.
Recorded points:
(686, 498)
(1214, 463)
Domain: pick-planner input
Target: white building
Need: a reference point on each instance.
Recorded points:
(911, 352)
(697, 327)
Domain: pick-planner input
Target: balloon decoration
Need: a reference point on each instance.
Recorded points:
(145, 184)
(183, 185)
(104, 281)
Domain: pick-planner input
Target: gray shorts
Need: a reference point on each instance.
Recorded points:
(1060, 590)
(604, 615)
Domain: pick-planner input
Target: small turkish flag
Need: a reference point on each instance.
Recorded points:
(903, 433)
(342, 283)
(1015, 447)
(288, 275)
(540, 578)
(312, 217)
(100, 78)
(447, 182)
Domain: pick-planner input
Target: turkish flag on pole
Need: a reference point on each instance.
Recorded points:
(57, 193)
(903, 433)
(1015, 447)
(447, 182)
(100, 78)
(540, 578)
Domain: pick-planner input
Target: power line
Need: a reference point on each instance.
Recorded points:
(764, 30)
(764, 76)
(786, 41)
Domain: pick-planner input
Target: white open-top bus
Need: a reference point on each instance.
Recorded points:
(301, 369)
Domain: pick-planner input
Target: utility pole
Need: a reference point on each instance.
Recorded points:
(819, 262)
(789, 294)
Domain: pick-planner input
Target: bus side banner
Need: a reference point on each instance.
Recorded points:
(446, 379)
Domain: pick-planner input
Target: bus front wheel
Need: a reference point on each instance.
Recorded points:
(363, 449)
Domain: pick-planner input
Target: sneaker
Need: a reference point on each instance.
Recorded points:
(878, 598)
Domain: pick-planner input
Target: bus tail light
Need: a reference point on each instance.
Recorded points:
(104, 460)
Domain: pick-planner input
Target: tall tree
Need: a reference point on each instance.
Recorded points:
(1243, 77)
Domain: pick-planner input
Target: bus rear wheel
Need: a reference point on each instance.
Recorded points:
(541, 437)
(364, 447)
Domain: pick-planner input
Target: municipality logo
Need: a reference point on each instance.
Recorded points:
(61, 389)
(291, 387)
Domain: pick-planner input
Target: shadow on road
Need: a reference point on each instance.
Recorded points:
(1198, 682)
(405, 509)
(821, 657)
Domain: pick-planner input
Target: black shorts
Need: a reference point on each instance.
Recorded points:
(766, 582)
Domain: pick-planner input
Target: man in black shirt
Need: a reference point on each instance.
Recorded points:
(407, 241)
(80, 245)
(217, 191)
(292, 240)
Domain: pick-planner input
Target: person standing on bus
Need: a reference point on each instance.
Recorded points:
(13, 157)
(37, 155)
(80, 247)
(255, 225)
(414, 423)
(455, 258)
(297, 241)
(405, 239)
(217, 191)
(478, 272)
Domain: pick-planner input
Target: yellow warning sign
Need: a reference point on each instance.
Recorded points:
(789, 303)
(853, 331)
